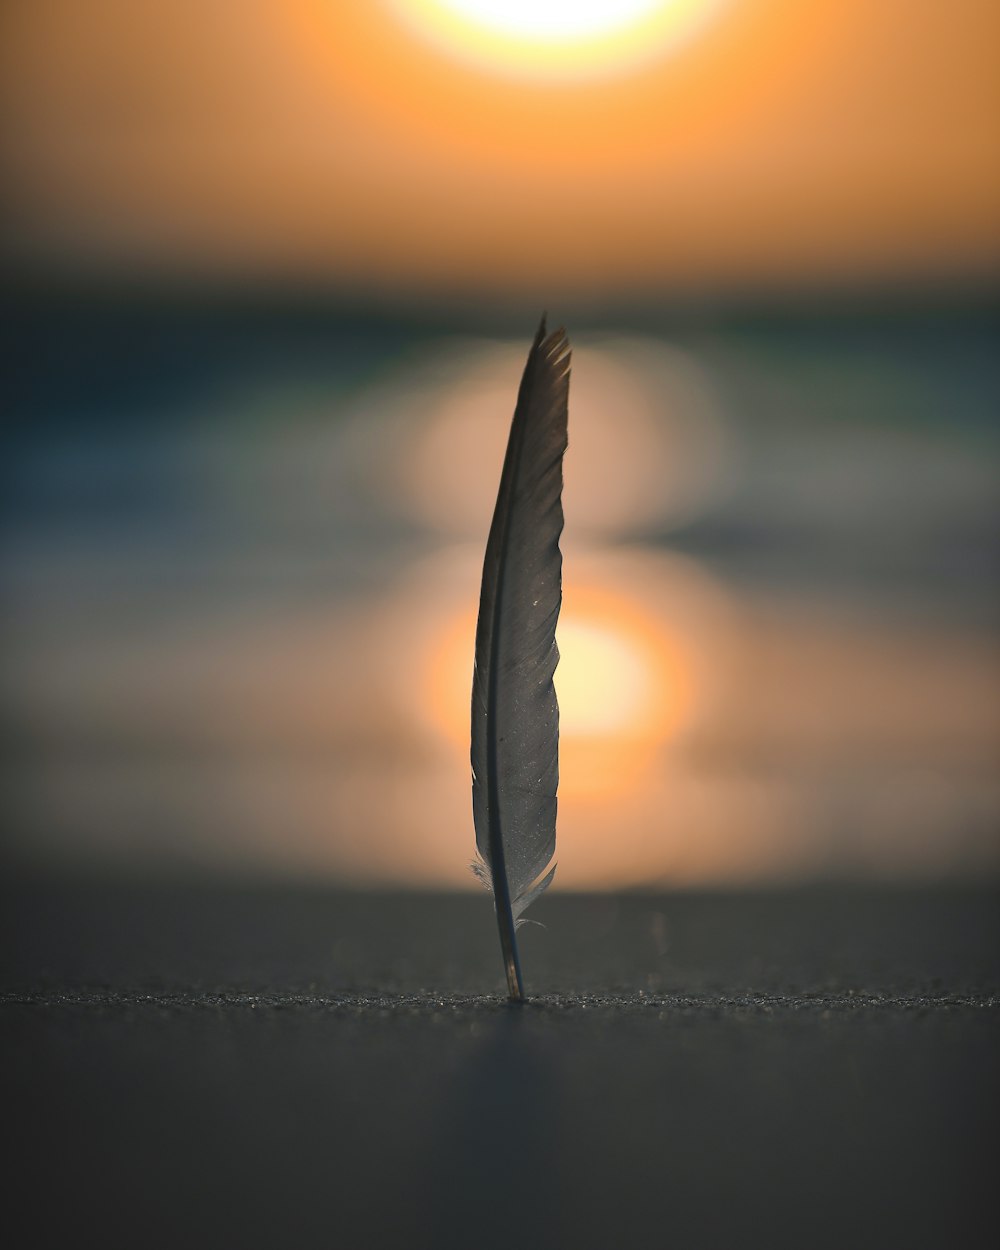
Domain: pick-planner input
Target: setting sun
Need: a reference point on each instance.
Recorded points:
(554, 21)
(555, 37)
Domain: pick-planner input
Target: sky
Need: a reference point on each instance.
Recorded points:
(389, 145)
(242, 527)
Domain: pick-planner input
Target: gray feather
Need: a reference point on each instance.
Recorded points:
(515, 716)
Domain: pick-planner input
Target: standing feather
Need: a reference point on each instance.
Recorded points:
(515, 716)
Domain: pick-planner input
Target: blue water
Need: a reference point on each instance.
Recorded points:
(177, 471)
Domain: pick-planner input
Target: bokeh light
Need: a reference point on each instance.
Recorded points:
(628, 678)
(648, 446)
(643, 643)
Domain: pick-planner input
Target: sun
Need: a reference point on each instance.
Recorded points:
(556, 38)
(551, 21)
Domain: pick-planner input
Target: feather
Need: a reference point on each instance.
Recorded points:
(515, 716)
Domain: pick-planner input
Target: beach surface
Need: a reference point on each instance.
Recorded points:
(215, 1065)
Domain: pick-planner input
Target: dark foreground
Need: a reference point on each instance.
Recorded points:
(196, 1067)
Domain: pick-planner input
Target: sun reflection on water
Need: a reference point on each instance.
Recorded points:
(631, 677)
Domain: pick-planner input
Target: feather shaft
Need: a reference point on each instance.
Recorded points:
(515, 715)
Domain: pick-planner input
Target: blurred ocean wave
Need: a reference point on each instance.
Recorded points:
(209, 520)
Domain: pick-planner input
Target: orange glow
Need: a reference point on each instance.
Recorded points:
(447, 105)
(627, 682)
(791, 142)
(605, 683)
(557, 39)
(644, 653)
(624, 686)
(337, 743)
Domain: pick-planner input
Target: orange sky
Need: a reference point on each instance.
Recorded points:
(789, 142)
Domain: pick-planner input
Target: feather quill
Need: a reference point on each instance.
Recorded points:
(515, 715)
